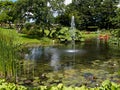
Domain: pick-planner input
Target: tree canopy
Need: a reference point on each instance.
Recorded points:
(100, 13)
(6, 12)
(92, 13)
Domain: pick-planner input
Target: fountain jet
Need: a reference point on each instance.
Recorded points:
(72, 28)
(72, 35)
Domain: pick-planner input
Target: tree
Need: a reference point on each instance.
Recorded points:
(6, 12)
(91, 13)
(20, 13)
(116, 20)
(107, 10)
(42, 12)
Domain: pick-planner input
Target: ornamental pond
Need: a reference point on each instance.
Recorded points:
(85, 63)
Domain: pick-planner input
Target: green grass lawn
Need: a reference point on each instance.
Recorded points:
(20, 38)
(29, 40)
(88, 35)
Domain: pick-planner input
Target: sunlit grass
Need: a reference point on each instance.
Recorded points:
(30, 39)
(20, 38)
(88, 35)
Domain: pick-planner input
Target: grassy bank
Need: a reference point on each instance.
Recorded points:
(34, 40)
(30, 40)
(88, 34)
(21, 38)
(25, 39)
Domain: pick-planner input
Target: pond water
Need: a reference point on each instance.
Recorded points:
(88, 63)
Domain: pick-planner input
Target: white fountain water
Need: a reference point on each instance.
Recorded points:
(72, 35)
(72, 28)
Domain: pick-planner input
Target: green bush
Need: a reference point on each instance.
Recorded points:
(65, 34)
(115, 37)
(31, 29)
(116, 33)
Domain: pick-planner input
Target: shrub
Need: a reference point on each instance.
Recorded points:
(31, 29)
(67, 34)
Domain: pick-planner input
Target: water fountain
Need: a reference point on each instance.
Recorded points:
(72, 35)
(72, 29)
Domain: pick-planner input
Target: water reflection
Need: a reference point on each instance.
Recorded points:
(64, 57)
(73, 63)
(55, 59)
(35, 53)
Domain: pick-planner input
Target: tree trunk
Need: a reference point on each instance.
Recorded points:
(43, 31)
(50, 31)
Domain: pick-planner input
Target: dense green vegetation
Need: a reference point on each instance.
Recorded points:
(100, 13)
(34, 21)
(19, 38)
(106, 85)
(8, 55)
(62, 34)
(115, 37)
(33, 17)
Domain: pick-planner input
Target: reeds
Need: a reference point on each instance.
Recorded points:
(8, 54)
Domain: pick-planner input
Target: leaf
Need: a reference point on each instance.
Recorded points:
(105, 83)
(114, 84)
(82, 88)
(77, 88)
(60, 86)
(67, 88)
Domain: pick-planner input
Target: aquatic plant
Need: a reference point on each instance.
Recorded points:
(106, 85)
(8, 54)
(10, 86)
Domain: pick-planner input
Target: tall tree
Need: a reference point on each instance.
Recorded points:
(92, 12)
(6, 12)
(42, 11)
(107, 11)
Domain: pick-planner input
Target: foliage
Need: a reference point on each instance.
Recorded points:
(8, 55)
(106, 85)
(31, 29)
(40, 11)
(6, 12)
(64, 34)
(116, 33)
(24, 39)
(90, 13)
(115, 37)
(10, 86)
(116, 19)
(100, 13)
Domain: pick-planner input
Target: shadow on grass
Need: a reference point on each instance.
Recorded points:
(31, 36)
